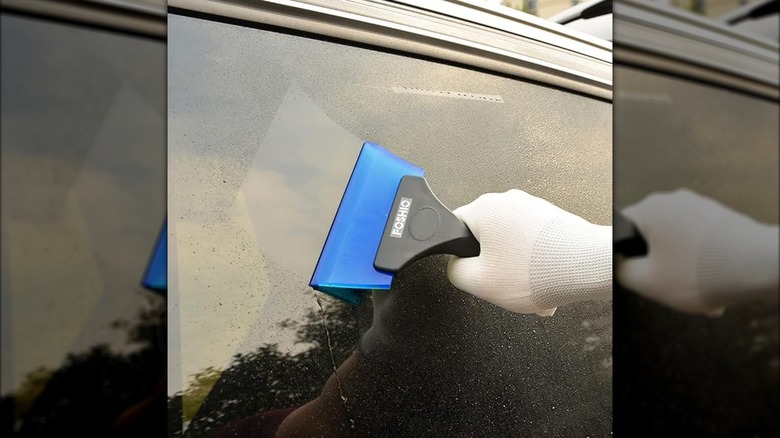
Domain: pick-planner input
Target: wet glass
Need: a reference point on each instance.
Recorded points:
(83, 200)
(264, 129)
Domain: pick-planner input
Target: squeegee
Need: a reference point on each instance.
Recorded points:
(387, 219)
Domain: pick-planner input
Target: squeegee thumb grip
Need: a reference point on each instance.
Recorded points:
(419, 225)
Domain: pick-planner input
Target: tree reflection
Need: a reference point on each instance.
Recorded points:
(268, 378)
(98, 392)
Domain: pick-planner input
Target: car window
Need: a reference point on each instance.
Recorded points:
(83, 200)
(264, 128)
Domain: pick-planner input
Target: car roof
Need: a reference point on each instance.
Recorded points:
(764, 25)
(599, 26)
(575, 11)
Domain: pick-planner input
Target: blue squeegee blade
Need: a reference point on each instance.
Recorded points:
(346, 264)
(156, 275)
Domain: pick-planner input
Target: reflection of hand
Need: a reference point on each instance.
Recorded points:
(534, 256)
(701, 255)
(326, 416)
(355, 402)
(392, 335)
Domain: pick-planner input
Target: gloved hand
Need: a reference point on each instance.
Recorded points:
(702, 255)
(534, 256)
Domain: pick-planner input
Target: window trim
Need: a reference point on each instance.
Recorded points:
(429, 34)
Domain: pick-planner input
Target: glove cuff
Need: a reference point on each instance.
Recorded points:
(738, 262)
(571, 262)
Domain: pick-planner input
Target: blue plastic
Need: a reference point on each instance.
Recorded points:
(346, 264)
(156, 275)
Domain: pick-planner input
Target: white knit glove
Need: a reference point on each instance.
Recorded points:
(534, 256)
(702, 255)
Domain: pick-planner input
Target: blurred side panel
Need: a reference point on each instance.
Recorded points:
(696, 107)
(83, 199)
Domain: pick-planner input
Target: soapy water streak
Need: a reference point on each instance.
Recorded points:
(332, 358)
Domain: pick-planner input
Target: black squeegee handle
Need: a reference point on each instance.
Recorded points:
(420, 225)
(626, 238)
